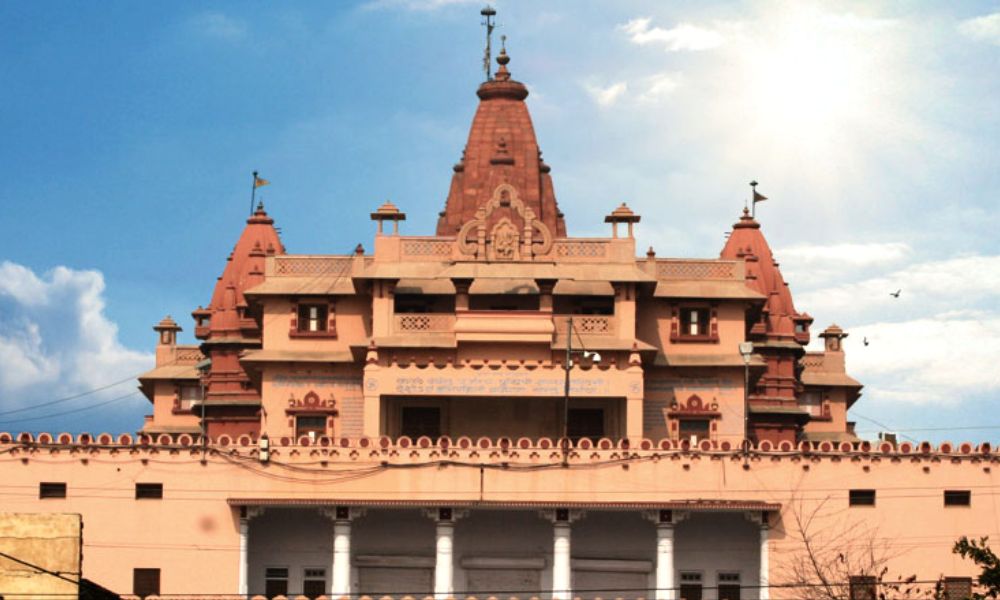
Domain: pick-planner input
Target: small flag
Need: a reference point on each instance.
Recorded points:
(261, 182)
(758, 197)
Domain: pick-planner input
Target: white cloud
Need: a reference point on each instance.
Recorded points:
(938, 359)
(937, 343)
(607, 96)
(853, 22)
(982, 29)
(55, 338)
(21, 283)
(659, 86)
(856, 255)
(220, 26)
(683, 36)
(23, 358)
(809, 265)
(933, 287)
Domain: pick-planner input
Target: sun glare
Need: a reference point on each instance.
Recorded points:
(809, 77)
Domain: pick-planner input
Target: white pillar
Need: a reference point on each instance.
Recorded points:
(765, 592)
(561, 569)
(243, 585)
(665, 562)
(443, 563)
(341, 585)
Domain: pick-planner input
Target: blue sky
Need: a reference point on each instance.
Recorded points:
(129, 135)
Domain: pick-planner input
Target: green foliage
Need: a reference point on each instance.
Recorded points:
(984, 557)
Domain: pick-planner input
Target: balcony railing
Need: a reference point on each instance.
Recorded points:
(586, 325)
(310, 266)
(424, 323)
(581, 250)
(699, 269)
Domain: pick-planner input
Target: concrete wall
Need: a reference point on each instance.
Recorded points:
(50, 541)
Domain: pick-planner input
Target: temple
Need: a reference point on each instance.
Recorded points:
(465, 333)
(500, 409)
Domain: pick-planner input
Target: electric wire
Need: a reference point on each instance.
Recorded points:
(74, 411)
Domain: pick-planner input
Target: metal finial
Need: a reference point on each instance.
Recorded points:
(488, 13)
(753, 183)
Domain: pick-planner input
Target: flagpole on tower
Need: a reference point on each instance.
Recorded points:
(755, 198)
(253, 192)
(488, 13)
(257, 182)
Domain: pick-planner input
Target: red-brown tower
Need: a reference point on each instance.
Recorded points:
(778, 333)
(502, 148)
(230, 325)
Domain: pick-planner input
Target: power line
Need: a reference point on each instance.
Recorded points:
(67, 398)
(74, 411)
(40, 569)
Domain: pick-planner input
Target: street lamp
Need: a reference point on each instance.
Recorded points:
(568, 365)
(746, 350)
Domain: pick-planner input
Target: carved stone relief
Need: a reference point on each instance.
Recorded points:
(490, 236)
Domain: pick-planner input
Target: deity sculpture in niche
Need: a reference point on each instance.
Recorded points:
(505, 241)
(496, 234)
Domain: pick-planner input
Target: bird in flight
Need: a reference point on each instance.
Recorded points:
(865, 341)
(895, 294)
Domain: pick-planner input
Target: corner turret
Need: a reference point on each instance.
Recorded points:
(778, 332)
(230, 325)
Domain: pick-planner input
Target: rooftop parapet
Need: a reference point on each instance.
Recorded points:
(488, 450)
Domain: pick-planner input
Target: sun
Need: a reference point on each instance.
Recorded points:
(810, 76)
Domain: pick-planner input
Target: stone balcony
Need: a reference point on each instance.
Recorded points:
(503, 326)
(533, 326)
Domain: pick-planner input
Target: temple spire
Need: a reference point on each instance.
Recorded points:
(501, 150)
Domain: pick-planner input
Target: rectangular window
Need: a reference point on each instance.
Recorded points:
(729, 586)
(417, 421)
(690, 586)
(699, 429)
(275, 581)
(584, 305)
(957, 588)
(504, 302)
(188, 396)
(812, 403)
(423, 303)
(148, 491)
(51, 489)
(146, 582)
(957, 498)
(310, 425)
(312, 317)
(861, 498)
(863, 587)
(694, 321)
(313, 582)
(585, 423)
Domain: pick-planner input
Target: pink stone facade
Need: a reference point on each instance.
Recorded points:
(503, 410)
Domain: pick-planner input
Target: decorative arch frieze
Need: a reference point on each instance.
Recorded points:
(499, 238)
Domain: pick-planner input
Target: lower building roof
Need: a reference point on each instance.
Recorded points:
(167, 372)
(733, 359)
(696, 505)
(274, 355)
(718, 290)
(829, 436)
